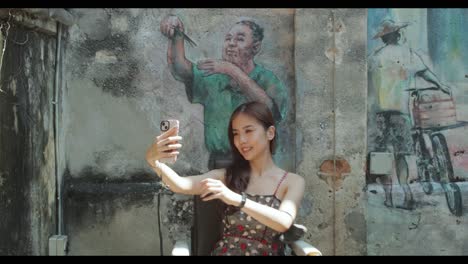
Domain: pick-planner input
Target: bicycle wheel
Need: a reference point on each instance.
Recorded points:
(442, 159)
(453, 195)
(424, 174)
(445, 174)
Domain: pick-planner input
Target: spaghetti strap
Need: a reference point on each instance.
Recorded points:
(279, 184)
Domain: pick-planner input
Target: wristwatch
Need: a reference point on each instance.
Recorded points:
(244, 198)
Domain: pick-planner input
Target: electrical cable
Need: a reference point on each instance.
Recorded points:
(159, 224)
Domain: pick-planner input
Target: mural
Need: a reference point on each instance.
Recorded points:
(417, 103)
(221, 85)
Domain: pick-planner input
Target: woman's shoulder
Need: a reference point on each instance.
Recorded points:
(294, 183)
(294, 178)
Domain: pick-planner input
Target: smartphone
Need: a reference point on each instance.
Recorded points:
(165, 126)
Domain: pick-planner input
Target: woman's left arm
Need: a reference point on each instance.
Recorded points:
(279, 219)
(282, 218)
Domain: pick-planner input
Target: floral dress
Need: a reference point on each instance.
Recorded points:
(244, 235)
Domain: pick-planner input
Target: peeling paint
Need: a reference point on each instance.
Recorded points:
(306, 206)
(323, 225)
(356, 224)
(27, 182)
(15, 118)
(333, 172)
(119, 24)
(179, 216)
(13, 87)
(103, 198)
(105, 56)
(1, 179)
(109, 65)
(335, 29)
(323, 125)
(41, 48)
(48, 172)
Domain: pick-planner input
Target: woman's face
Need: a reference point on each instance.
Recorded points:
(250, 137)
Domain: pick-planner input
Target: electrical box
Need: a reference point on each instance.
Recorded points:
(381, 163)
(58, 245)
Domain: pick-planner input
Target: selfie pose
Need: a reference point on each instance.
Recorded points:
(260, 199)
(221, 85)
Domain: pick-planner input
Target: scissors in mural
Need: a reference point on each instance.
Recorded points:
(187, 38)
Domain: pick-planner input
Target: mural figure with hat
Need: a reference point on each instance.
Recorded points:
(394, 68)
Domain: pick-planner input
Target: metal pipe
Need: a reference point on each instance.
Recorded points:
(333, 75)
(58, 180)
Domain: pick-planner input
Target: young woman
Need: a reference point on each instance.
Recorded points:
(261, 199)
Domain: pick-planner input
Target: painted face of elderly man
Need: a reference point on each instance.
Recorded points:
(242, 43)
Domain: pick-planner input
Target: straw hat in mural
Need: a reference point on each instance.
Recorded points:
(387, 27)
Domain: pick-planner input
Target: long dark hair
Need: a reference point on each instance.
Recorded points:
(238, 173)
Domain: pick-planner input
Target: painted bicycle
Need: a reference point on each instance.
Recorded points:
(431, 114)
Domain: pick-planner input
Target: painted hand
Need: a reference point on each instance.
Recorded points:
(164, 146)
(212, 66)
(446, 89)
(215, 189)
(169, 24)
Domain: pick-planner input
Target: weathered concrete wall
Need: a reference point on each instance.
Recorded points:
(433, 221)
(331, 99)
(111, 109)
(314, 131)
(27, 157)
(350, 111)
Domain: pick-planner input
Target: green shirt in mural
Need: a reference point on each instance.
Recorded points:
(220, 99)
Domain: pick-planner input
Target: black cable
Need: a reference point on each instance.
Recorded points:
(159, 225)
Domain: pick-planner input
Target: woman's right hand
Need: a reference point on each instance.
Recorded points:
(168, 25)
(164, 146)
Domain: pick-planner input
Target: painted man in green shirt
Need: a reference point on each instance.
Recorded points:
(222, 85)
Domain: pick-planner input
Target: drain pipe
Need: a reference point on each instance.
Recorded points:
(58, 181)
(58, 243)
